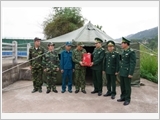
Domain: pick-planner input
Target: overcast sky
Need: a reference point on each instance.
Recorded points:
(26, 22)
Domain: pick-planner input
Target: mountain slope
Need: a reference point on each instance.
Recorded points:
(145, 34)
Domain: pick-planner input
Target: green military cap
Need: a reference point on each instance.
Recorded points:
(98, 40)
(80, 44)
(36, 38)
(110, 43)
(124, 40)
(51, 44)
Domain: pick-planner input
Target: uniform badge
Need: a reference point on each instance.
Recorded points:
(113, 56)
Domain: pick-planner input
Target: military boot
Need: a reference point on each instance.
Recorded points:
(76, 91)
(84, 91)
(40, 90)
(55, 91)
(93, 92)
(48, 91)
(34, 90)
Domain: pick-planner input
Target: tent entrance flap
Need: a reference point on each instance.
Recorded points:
(88, 69)
(89, 49)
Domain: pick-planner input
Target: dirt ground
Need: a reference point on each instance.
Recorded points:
(17, 98)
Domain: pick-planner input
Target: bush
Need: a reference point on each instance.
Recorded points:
(149, 76)
(148, 65)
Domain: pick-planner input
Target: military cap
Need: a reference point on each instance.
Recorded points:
(51, 44)
(80, 44)
(36, 38)
(98, 40)
(124, 40)
(110, 43)
(69, 43)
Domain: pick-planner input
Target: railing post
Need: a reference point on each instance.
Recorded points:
(14, 52)
(28, 46)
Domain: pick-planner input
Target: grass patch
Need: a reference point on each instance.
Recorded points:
(149, 64)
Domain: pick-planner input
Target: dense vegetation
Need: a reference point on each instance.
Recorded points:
(149, 64)
(62, 21)
(149, 59)
(148, 40)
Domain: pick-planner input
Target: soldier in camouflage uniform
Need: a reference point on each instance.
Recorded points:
(35, 57)
(50, 66)
(80, 70)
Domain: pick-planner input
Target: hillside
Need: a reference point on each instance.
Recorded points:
(145, 34)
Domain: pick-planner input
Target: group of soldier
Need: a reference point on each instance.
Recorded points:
(109, 63)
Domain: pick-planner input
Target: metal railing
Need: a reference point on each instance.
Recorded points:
(13, 51)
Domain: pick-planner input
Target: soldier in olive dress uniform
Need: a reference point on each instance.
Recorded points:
(111, 68)
(98, 55)
(127, 68)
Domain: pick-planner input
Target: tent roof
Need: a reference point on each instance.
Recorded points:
(85, 34)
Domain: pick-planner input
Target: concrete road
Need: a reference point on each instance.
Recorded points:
(9, 61)
(17, 98)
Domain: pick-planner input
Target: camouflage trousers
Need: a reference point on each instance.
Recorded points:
(37, 78)
(80, 79)
(51, 80)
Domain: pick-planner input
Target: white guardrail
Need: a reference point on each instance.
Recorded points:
(12, 51)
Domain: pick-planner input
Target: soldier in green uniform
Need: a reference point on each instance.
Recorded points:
(111, 68)
(96, 65)
(50, 66)
(127, 67)
(80, 69)
(35, 57)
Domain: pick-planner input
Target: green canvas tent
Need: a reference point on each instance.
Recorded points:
(86, 34)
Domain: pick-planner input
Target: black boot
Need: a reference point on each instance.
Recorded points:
(84, 91)
(55, 91)
(34, 90)
(107, 94)
(48, 91)
(112, 96)
(120, 100)
(76, 91)
(94, 92)
(99, 93)
(40, 90)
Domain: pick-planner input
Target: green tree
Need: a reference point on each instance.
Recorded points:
(99, 27)
(153, 43)
(62, 21)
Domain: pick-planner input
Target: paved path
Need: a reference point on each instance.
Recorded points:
(9, 61)
(17, 98)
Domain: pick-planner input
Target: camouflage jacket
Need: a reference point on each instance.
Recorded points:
(50, 61)
(36, 55)
(77, 56)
